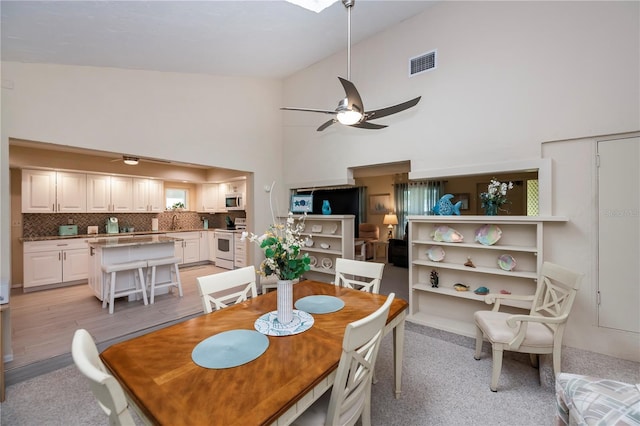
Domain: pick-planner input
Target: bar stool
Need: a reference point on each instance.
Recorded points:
(173, 271)
(110, 282)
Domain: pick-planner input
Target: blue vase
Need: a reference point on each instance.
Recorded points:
(491, 209)
(326, 208)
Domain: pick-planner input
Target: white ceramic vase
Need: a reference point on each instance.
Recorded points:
(285, 301)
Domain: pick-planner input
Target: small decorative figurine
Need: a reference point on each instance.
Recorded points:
(481, 290)
(444, 206)
(434, 278)
(460, 287)
(469, 263)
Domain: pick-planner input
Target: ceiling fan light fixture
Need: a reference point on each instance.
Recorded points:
(349, 117)
(131, 161)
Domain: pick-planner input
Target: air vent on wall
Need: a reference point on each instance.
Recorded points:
(423, 63)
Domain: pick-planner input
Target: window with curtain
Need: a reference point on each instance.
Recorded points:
(415, 198)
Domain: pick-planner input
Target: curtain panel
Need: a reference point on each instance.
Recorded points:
(415, 198)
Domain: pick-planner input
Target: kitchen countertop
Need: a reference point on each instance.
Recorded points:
(121, 234)
(131, 241)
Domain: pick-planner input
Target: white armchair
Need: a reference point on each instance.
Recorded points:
(541, 331)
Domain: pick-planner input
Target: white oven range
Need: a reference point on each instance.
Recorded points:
(230, 253)
(224, 248)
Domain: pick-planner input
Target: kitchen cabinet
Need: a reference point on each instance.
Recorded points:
(210, 197)
(236, 186)
(188, 249)
(204, 246)
(109, 194)
(46, 191)
(55, 261)
(211, 237)
(240, 251)
(445, 308)
(148, 195)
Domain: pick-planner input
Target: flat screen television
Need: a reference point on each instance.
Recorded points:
(302, 203)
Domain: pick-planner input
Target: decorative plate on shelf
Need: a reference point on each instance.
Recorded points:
(313, 261)
(435, 253)
(446, 234)
(506, 262)
(332, 228)
(488, 234)
(316, 228)
(324, 245)
(326, 263)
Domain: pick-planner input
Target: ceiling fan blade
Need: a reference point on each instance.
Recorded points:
(354, 100)
(383, 112)
(367, 125)
(326, 124)
(308, 110)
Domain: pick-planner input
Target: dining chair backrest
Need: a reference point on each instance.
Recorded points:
(350, 397)
(359, 275)
(104, 386)
(219, 290)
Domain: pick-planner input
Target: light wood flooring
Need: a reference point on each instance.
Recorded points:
(43, 322)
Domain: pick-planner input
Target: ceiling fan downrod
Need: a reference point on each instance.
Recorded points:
(348, 4)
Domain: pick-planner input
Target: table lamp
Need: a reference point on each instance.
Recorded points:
(391, 220)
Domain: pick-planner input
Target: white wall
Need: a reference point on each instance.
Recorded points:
(227, 122)
(510, 76)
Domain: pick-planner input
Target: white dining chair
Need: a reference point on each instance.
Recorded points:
(359, 275)
(350, 397)
(104, 386)
(219, 290)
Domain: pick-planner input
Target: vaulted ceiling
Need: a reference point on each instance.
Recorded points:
(241, 38)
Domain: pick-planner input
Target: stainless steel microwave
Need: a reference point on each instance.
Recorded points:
(234, 201)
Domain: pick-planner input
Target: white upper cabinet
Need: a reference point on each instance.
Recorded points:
(148, 195)
(45, 191)
(210, 198)
(109, 194)
(71, 192)
(38, 191)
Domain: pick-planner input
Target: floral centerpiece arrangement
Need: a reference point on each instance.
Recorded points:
(495, 197)
(283, 258)
(281, 244)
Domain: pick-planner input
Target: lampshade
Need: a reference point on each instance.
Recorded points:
(132, 161)
(390, 219)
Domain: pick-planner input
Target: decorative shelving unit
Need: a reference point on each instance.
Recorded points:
(445, 308)
(336, 231)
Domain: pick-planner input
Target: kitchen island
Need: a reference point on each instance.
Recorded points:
(106, 251)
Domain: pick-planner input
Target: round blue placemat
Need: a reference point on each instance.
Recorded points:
(319, 304)
(268, 324)
(230, 349)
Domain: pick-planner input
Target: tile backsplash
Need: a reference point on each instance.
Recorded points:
(46, 224)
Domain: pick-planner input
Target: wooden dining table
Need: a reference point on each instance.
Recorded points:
(166, 387)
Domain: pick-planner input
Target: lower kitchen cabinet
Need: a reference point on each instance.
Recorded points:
(240, 251)
(55, 261)
(188, 249)
(204, 246)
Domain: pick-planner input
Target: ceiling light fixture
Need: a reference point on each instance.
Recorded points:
(131, 161)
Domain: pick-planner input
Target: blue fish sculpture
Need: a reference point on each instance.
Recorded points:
(444, 207)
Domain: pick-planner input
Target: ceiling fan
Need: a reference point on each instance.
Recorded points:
(350, 110)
